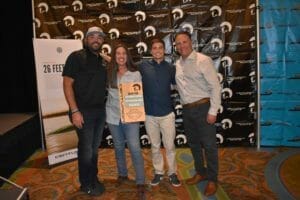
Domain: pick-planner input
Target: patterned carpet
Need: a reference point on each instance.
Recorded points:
(241, 176)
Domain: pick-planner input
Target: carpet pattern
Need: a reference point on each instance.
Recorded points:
(241, 176)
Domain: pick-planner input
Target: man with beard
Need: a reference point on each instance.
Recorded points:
(84, 85)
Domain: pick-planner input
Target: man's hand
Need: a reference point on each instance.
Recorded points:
(77, 119)
(211, 119)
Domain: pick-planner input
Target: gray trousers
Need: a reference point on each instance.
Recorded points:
(201, 136)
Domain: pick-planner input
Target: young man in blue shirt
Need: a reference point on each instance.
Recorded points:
(157, 76)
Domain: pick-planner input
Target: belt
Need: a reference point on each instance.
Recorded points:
(196, 103)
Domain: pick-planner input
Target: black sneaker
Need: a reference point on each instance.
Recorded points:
(156, 180)
(93, 191)
(174, 180)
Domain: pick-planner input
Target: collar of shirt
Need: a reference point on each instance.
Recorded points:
(155, 63)
(191, 57)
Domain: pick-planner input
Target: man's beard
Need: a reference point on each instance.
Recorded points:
(94, 49)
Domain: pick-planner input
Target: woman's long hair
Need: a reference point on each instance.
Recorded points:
(113, 66)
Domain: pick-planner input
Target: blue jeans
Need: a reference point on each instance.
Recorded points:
(202, 136)
(123, 134)
(89, 140)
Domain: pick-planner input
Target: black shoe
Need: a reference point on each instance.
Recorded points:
(93, 191)
(156, 180)
(99, 186)
(174, 180)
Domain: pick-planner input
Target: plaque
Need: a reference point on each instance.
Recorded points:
(131, 102)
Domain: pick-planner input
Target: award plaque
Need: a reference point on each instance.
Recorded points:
(131, 102)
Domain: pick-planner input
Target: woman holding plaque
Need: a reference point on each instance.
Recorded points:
(123, 70)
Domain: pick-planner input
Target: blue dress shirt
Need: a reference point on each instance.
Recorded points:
(157, 79)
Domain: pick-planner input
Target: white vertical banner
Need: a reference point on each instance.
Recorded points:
(60, 136)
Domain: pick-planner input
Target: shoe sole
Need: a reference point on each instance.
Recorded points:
(154, 184)
(176, 185)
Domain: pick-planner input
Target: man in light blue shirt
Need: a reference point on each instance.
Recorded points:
(200, 94)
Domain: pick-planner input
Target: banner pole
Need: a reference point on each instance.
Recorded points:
(258, 74)
(33, 18)
(39, 103)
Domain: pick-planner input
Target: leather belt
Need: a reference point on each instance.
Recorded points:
(196, 103)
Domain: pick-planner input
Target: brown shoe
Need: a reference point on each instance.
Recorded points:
(195, 179)
(210, 189)
(121, 180)
(141, 191)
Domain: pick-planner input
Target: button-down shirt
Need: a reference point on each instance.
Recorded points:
(113, 114)
(157, 79)
(196, 78)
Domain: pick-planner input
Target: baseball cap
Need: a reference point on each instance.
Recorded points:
(93, 30)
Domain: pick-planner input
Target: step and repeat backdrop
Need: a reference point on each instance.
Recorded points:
(223, 29)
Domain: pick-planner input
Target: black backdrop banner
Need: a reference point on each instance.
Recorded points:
(223, 29)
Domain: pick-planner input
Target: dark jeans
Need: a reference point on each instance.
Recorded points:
(202, 136)
(89, 140)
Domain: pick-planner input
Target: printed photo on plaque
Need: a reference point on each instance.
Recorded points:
(131, 102)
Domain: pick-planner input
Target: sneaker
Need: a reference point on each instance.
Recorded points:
(174, 180)
(156, 180)
(92, 191)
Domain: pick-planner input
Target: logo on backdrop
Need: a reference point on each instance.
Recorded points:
(77, 5)
(177, 13)
(220, 77)
(252, 77)
(150, 31)
(149, 2)
(180, 139)
(251, 138)
(114, 33)
(220, 110)
(43, 7)
(252, 42)
(45, 35)
(141, 47)
(104, 19)
(215, 11)
(220, 138)
(226, 123)
(226, 62)
(106, 49)
(140, 16)
(78, 35)
(252, 8)
(109, 141)
(145, 140)
(188, 28)
(112, 4)
(69, 21)
(252, 107)
(226, 93)
(226, 27)
(216, 44)
(37, 22)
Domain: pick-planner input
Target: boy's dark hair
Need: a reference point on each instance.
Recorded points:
(157, 40)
